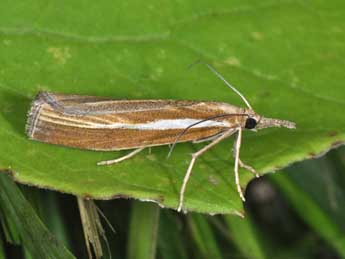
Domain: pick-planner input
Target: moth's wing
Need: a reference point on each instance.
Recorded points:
(97, 123)
(92, 105)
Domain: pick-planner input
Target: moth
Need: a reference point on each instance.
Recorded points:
(105, 124)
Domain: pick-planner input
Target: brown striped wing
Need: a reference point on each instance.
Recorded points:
(85, 121)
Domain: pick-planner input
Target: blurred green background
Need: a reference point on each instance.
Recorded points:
(285, 56)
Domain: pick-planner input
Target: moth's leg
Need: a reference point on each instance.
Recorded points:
(237, 158)
(122, 158)
(208, 138)
(249, 168)
(194, 157)
(245, 166)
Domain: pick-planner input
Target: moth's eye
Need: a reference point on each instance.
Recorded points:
(250, 123)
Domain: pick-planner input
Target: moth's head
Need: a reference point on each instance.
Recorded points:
(251, 120)
(255, 121)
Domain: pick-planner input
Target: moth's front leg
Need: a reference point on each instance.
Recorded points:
(245, 166)
(249, 168)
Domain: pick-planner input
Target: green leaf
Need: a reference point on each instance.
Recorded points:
(2, 249)
(285, 57)
(316, 191)
(172, 241)
(203, 236)
(245, 237)
(33, 235)
(51, 214)
(143, 231)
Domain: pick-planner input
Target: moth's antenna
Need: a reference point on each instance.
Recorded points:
(228, 84)
(223, 79)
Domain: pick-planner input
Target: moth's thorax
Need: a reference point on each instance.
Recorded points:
(228, 108)
(237, 116)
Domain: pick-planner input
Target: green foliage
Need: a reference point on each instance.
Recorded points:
(172, 243)
(316, 191)
(245, 237)
(20, 219)
(203, 237)
(2, 252)
(143, 231)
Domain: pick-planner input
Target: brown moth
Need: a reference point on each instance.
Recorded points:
(104, 124)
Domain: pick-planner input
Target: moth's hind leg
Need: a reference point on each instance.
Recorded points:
(122, 158)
